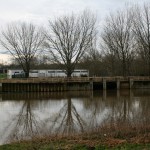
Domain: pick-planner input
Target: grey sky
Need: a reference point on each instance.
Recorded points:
(40, 11)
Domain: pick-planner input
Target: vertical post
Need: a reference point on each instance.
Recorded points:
(118, 84)
(65, 86)
(28, 87)
(17, 87)
(37, 87)
(104, 84)
(104, 94)
(91, 84)
(131, 83)
(118, 94)
(131, 94)
(32, 87)
(14, 87)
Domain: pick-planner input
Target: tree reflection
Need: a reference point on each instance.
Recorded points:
(95, 107)
(68, 121)
(119, 107)
(128, 107)
(69, 116)
(26, 124)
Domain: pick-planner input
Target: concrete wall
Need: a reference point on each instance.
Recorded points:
(141, 85)
(44, 87)
(72, 86)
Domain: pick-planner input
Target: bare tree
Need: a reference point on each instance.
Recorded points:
(142, 32)
(118, 39)
(69, 38)
(23, 41)
(92, 60)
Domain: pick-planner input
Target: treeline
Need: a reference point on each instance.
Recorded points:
(124, 44)
(121, 47)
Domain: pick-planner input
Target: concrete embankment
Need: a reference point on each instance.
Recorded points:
(43, 85)
(73, 84)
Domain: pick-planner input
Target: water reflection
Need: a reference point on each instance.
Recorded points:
(25, 124)
(67, 120)
(25, 115)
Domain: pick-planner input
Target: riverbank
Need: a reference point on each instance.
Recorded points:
(108, 137)
(68, 144)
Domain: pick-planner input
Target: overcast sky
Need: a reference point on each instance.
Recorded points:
(40, 11)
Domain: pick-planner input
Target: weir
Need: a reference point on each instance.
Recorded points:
(73, 84)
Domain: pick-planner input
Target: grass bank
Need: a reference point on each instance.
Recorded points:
(72, 145)
(109, 136)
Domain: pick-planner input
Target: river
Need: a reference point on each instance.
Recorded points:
(25, 115)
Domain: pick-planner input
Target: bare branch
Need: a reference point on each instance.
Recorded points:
(69, 38)
(23, 41)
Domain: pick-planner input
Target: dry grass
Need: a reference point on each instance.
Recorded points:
(109, 134)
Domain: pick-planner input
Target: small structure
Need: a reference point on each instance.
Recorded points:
(15, 73)
(45, 73)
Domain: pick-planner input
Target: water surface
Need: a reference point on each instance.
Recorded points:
(24, 115)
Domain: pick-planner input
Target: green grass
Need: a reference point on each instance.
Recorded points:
(3, 75)
(121, 147)
(67, 146)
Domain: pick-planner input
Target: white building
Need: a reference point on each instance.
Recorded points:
(46, 73)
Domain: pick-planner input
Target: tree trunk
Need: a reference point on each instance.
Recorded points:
(69, 74)
(26, 74)
(69, 71)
